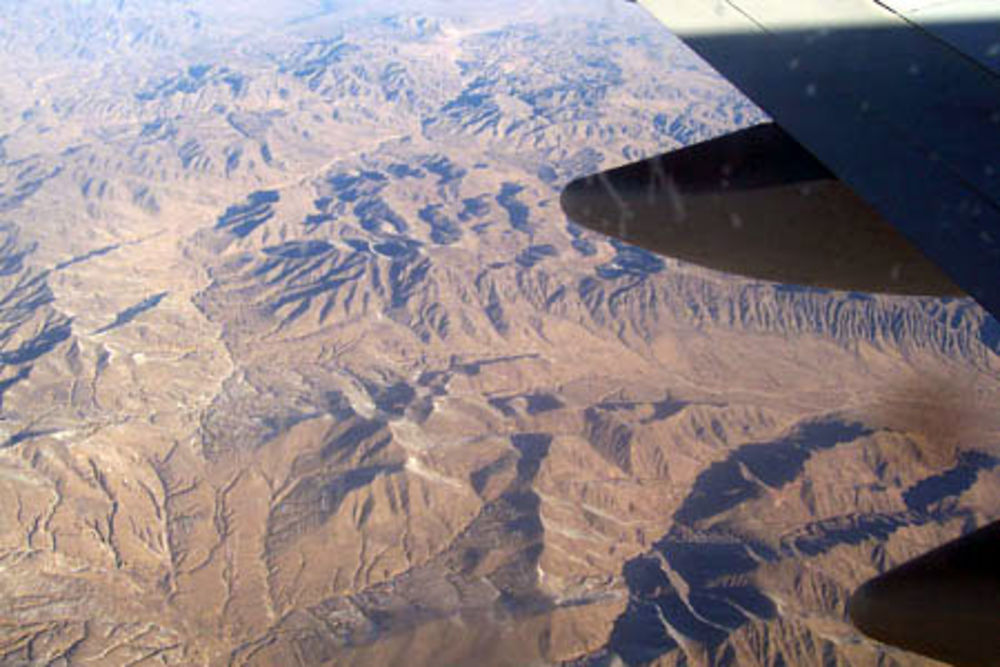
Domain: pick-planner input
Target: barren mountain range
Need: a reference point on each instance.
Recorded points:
(300, 362)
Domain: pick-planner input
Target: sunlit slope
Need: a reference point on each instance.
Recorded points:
(301, 362)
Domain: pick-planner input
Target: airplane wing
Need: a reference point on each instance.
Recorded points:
(880, 173)
(901, 106)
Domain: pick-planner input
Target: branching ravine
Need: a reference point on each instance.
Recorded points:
(107, 535)
(50, 514)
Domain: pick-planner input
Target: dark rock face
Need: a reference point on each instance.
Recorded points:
(241, 219)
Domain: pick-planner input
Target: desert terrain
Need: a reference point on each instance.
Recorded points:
(301, 363)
